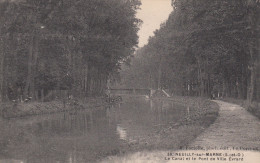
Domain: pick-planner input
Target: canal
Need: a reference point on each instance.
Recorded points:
(85, 135)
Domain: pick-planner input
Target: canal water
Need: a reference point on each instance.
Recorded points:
(85, 135)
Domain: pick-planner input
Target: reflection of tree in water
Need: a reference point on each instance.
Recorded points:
(82, 135)
(121, 132)
(166, 111)
(65, 125)
(58, 138)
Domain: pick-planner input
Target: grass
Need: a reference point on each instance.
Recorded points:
(253, 108)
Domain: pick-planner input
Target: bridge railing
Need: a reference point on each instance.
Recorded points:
(137, 91)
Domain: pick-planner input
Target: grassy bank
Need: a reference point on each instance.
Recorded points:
(12, 110)
(202, 113)
(173, 136)
(253, 108)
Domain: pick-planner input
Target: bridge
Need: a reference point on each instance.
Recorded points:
(132, 91)
(136, 91)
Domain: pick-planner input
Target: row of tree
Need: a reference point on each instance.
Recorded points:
(204, 48)
(74, 45)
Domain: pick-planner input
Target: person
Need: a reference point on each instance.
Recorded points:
(108, 95)
(10, 91)
(212, 96)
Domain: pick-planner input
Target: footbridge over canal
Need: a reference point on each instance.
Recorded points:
(136, 91)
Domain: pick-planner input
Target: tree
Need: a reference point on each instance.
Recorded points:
(210, 47)
(64, 45)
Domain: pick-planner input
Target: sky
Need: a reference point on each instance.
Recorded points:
(152, 13)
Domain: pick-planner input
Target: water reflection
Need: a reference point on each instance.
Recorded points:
(85, 135)
(121, 132)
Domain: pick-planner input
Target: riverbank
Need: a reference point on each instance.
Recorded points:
(253, 108)
(234, 131)
(202, 113)
(174, 136)
(12, 110)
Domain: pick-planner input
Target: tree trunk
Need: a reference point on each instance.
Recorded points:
(253, 17)
(27, 89)
(2, 71)
(200, 78)
(239, 88)
(251, 89)
(159, 74)
(34, 67)
(86, 80)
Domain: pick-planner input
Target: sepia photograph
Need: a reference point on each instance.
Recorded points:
(129, 81)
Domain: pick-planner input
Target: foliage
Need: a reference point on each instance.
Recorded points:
(204, 48)
(64, 44)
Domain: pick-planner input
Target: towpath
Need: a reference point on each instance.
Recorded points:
(235, 127)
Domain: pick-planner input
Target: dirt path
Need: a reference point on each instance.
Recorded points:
(234, 128)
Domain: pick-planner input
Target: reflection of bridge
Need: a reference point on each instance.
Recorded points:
(133, 91)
